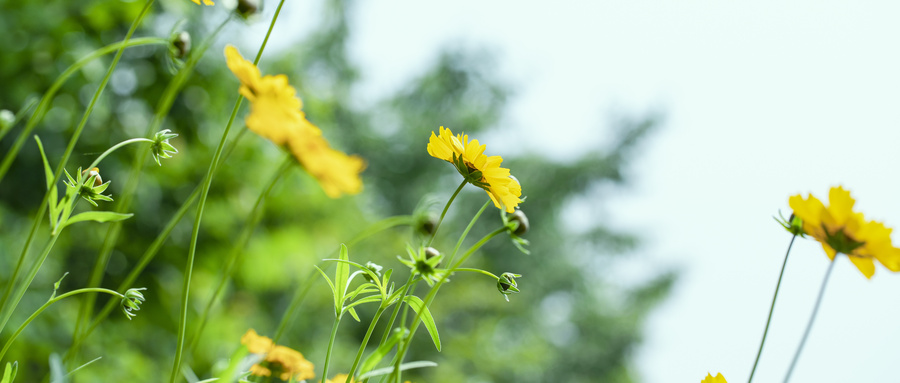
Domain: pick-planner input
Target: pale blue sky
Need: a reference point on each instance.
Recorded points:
(763, 100)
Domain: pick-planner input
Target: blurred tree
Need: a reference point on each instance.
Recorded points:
(573, 321)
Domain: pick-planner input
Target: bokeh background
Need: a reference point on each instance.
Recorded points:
(654, 142)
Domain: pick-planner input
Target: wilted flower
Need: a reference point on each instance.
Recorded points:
(841, 230)
(478, 169)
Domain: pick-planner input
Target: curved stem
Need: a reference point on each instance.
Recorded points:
(238, 248)
(771, 309)
(812, 319)
(44, 104)
(71, 147)
(365, 341)
(31, 273)
(186, 284)
(480, 271)
(446, 207)
(334, 328)
(50, 302)
(141, 156)
(466, 232)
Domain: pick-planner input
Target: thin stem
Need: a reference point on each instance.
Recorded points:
(334, 328)
(46, 305)
(31, 273)
(237, 249)
(771, 309)
(304, 287)
(466, 232)
(71, 147)
(443, 213)
(812, 318)
(431, 294)
(480, 271)
(140, 157)
(365, 341)
(390, 325)
(44, 104)
(186, 284)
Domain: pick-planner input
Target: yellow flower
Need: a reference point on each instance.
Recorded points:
(841, 230)
(480, 170)
(717, 379)
(275, 113)
(257, 344)
(339, 378)
(286, 362)
(205, 2)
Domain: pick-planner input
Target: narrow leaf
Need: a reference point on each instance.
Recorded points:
(9, 374)
(341, 275)
(333, 290)
(99, 216)
(48, 173)
(417, 305)
(352, 312)
(380, 353)
(403, 367)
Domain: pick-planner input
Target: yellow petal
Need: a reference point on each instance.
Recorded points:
(864, 264)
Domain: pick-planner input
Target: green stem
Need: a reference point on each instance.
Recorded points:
(31, 273)
(124, 197)
(303, 288)
(433, 292)
(71, 147)
(771, 309)
(812, 318)
(365, 341)
(186, 284)
(480, 271)
(238, 247)
(334, 328)
(466, 232)
(446, 207)
(46, 305)
(390, 325)
(44, 104)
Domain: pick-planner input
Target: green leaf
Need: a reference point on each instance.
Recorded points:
(380, 353)
(48, 173)
(333, 290)
(352, 312)
(9, 374)
(417, 305)
(98, 216)
(369, 299)
(403, 367)
(341, 274)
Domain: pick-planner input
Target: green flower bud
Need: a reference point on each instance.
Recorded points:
(181, 44)
(247, 8)
(375, 268)
(161, 148)
(92, 188)
(519, 217)
(507, 284)
(132, 302)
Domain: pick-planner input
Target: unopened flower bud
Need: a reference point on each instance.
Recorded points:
(507, 284)
(426, 224)
(430, 253)
(375, 268)
(181, 44)
(161, 148)
(247, 8)
(522, 227)
(132, 302)
(93, 172)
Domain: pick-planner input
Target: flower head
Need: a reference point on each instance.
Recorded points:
(477, 168)
(287, 363)
(714, 379)
(841, 230)
(131, 301)
(340, 378)
(161, 148)
(275, 114)
(89, 185)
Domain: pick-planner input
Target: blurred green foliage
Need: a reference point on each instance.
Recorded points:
(572, 322)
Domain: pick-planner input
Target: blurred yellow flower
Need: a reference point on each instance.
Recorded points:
(480, 170)
(256, 343)
(205, 2)
(340, 378)
(286, 362)
(717, 379)
(275, 114)
(841, 230)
